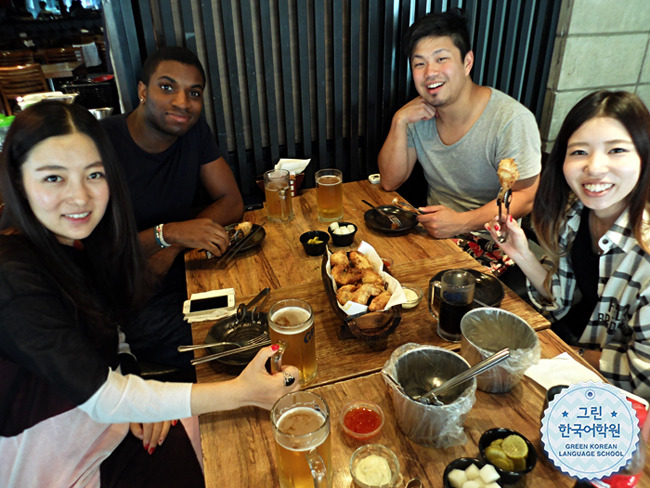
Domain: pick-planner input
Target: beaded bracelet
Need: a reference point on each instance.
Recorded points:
(158, 234)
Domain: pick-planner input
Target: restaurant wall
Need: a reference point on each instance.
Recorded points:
(321, 79)
(600, 44)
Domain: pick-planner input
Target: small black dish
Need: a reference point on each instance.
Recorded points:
(378, 222)
(489, 289)
(507, 477)
(341, 240)
(229, 330)
(315, 249)
(462, 464)
(253, 242)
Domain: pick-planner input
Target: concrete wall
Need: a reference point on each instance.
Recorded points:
(600, 44)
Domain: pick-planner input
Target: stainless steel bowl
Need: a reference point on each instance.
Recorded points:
(101, 113)
(417, 369)
(488, 330)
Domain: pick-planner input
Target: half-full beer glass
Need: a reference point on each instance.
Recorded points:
(277, 188)
(329, 194)
(291, 322)
(301, 427)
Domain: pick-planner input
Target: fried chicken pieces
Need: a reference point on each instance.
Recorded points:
(358, 281)
(508, 174)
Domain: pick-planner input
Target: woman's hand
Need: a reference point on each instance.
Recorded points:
(516, 244)
(256, 386)
(152, 435)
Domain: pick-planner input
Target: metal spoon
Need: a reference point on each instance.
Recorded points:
(431, 396)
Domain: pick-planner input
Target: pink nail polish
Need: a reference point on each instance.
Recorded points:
(174, 422)
(151, 450)
(511, 219)
(146, 448)
(496, 227)
(275, 347)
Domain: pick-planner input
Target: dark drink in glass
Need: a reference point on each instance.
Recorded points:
(450, 316)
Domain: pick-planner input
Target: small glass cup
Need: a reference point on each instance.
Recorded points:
(329, 195)
(277, 187)
(456, 296)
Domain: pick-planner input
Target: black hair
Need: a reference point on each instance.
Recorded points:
(554, 193)
(170, 53)
(442, 24)
(116, 274)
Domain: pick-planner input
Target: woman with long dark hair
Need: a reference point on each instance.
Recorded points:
(591, 217)
(71, 271)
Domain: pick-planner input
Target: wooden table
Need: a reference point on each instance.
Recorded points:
(238, 446)
(61, 70)
(239, 451)
(281, 261)
(417, 257)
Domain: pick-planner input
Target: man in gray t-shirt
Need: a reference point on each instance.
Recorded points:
(458, 131)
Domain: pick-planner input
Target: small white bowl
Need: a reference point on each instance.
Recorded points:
(362, 458)
(413, 294)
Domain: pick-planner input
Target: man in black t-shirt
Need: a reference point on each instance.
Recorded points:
(168, 152)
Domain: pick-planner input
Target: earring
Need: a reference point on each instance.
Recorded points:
(142, 100)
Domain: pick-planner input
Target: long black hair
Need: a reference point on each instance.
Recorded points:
(115, 281)
(554, 193)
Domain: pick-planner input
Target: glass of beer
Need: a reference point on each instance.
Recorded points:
(329, 195)
(291, 322)
(456, 296)
(301, 427)
(277, 187)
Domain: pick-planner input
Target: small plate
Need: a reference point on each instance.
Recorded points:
(227, 330)
(254, 241)
(378, 222)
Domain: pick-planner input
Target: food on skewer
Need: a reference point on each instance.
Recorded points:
(508, 174)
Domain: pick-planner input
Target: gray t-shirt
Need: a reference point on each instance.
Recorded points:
(463, 176)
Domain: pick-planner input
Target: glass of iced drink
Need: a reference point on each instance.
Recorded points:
(291, 322)
(301, 428)
(329, 195)
(277, 188)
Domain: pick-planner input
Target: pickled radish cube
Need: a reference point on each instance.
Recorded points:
(489, 474)
(492, 485)
(338, 231)
(334, 226)
(350, 228)
(456, 478)
(477, 483)
(472, 472)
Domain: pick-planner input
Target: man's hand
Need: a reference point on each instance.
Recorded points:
(414, 111)
(442, 222)
(200, 233)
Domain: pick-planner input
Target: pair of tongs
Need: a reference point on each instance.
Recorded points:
(233, 249)
(502, 235)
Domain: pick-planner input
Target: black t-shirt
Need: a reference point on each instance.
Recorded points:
(584, 262)
(163, 185)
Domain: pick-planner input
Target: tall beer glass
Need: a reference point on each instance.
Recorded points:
(329, 195)
(301, 427)
(277, 188)
(292, 323)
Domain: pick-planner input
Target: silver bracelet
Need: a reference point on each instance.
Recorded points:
(158, 234)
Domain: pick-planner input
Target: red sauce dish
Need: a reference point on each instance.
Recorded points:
(362, 420)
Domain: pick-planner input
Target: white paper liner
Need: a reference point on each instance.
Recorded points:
(295, 166)
(397, 293)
